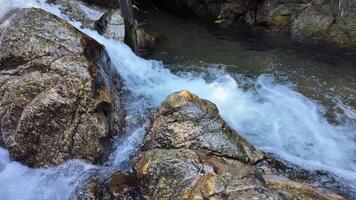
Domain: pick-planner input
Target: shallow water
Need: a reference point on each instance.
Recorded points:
(300, 109)
(322, 74)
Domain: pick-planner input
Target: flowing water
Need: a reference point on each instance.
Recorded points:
(300, 109)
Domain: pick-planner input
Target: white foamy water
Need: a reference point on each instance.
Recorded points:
(273, 117)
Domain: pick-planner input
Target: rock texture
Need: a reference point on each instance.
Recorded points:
(111, 25)
(112, 19)
(118, 186)
(322, 21)
(59, 94)
(135, 36)
(185, 120)
(190, 153)
(81, 11)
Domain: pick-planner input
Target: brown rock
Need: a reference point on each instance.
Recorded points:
(119, 186)
(81, 11)
(190, 153)
(186, 121)
(58, 100)
(295, 190)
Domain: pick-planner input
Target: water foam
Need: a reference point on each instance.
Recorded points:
(273, 117)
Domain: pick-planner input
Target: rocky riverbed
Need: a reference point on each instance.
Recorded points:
(83, 117)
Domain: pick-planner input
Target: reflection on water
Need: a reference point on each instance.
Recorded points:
(327, 77)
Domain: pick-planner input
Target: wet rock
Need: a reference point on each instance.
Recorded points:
(187, 174)
(112, 25)
(186, 121)
(139, 41)
(313, 20)
(190, 153)
(81, 11)
(114, 20)
(59, 94)
(295, 190)
(323, 21)
(119, 186)
(168, 174)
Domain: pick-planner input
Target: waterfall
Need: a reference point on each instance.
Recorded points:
(273, 117)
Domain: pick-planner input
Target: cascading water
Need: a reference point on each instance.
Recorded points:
(273, 117)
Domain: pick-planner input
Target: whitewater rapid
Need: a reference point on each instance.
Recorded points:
(273, 117)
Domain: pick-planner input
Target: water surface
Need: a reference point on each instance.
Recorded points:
(287, 101)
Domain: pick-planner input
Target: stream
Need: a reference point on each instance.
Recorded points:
(296, 103)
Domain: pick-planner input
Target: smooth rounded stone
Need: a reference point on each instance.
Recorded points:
(59, 93)
(186, 121)
(111, 25)
(80, 11)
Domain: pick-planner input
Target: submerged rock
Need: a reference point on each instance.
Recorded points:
(59, 94)
(190, 153)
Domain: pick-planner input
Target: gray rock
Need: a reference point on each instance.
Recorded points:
(186, 121)
(190, 153)
(59, 94)
(112, 25)
(114, 22)
(117, 186)
(81, 11)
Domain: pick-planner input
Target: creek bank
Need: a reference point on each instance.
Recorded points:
(314, 22)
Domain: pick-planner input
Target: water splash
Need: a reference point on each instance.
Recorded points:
(273, 117)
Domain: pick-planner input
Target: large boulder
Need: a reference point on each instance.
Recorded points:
(185, 120)
(59, 93)
(190, 153)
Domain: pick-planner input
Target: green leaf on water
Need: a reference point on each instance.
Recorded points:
(219, 21)
(135, 7)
